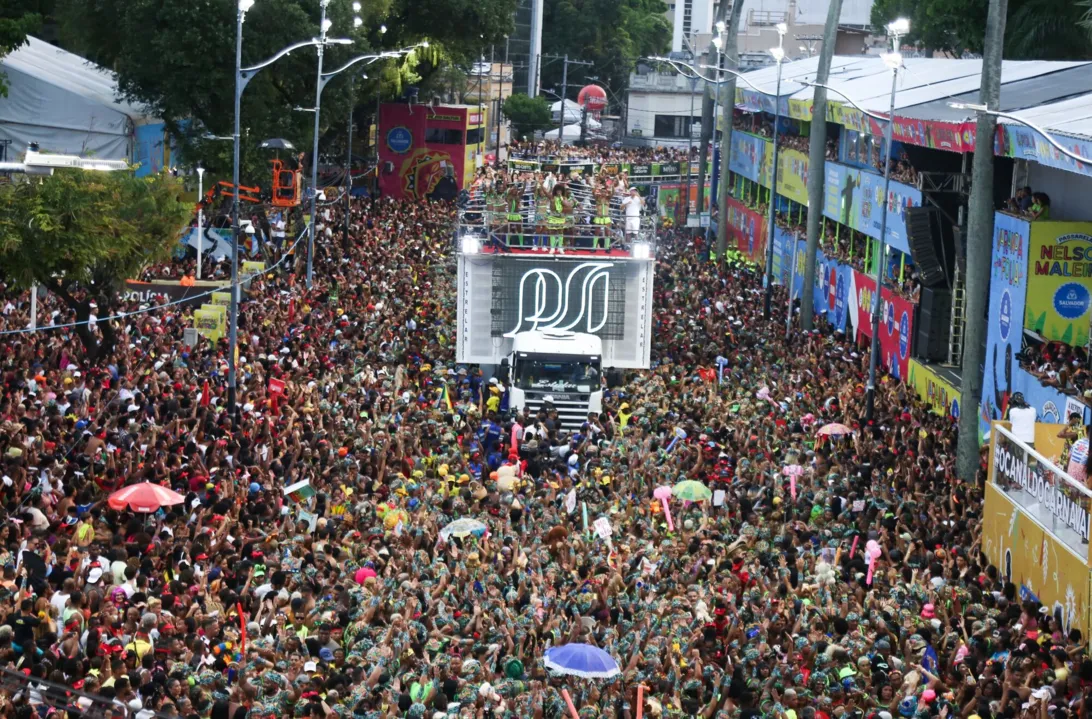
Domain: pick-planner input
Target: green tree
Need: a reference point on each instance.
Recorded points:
(82, 234)
(1034, 30)
(527, 114)
(611, 34)
(16, 22)
(178, 59)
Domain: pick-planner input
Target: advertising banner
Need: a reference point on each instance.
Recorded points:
(855, 198)
(209, 323)
(748, 157)
(1043, 568)
(949, 136)
(747, 228)
(935, 391)
(792, 175)
(171, 291)
(1004, 330)
(1022, 142)
(896, 324)
(1060, 281)
(780, 261)
(833, 283)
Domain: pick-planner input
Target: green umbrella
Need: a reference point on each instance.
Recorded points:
(691, 491)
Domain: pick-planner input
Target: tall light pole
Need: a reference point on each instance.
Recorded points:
(718, 43)
(893, 60)
(324, 27)
(244, 75)
(200, 216)
(779, 57)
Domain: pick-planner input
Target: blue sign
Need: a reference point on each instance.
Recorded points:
(1004, 315)
(747, 155)
(841, 297)
(1071, 300)
(1008, 291)
(856, 198)
(399, 139)
(955, 408)
(904, 335)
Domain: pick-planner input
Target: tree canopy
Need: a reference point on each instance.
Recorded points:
(178, 58)
(1035, 29)
(611, 34)
(82, 234)
(16, 22)
(527, 114)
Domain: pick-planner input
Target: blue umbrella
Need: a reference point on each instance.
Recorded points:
(581, 660)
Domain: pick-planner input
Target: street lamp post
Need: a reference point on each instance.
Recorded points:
(324, 27)
(718, 42)
(779, 56)
(893, 60)
(200, 216)
(243, 75)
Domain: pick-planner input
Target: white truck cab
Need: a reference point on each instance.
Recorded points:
(560, 368)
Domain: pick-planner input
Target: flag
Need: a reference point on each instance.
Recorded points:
(446, 397)
(205, 398)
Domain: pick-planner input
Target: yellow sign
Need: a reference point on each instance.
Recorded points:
(800, 109)
(939, 394)
(1038, 564)
(253, 268)
(792, 175)
(221, 298)
(847, 116)
(210, 322)
(1059, 291)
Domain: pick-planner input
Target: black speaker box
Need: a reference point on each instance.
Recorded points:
(923, 234)
(934, 324)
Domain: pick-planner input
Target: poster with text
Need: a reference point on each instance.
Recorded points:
(896, 324)
(1059, 281)
(1004, 328)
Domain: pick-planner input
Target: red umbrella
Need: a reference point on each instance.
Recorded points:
(144, 497)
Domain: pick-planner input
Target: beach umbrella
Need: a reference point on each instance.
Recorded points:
(691, 491)
(463, 528)
(144, 497)
(581, 660)
(834, 430)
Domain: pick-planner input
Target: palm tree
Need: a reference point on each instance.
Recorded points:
(1049, 30)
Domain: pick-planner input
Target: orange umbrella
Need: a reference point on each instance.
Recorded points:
(144, 497)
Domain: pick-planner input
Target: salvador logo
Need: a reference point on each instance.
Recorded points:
(422, 170)
(1071, 300)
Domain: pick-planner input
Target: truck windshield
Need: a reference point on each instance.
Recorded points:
(557, 376)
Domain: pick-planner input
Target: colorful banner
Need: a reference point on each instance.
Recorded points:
(1004, 329)
(1060, 281)
(1022, 142)
(855, 198)
(170, 290)
(938, 393)
(749, 157)
(896, 323)
(833, 283)
(949, 136)
(1043, 568)
(747, 230)
(792, 175)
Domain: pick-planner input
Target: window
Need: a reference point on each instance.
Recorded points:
(475, 136)
(673, 125)
(443, 136)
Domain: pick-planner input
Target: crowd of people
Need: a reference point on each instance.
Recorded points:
(1059, 365)
(342, 598)
(552, 150)
(1029, 204)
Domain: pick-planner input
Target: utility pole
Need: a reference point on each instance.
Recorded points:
(817, 158)
(980, 242)
(708, 132)
(500, 101)
(690, 147)
(534, 51)
(349, 163)
(564, 89)
(727, 104)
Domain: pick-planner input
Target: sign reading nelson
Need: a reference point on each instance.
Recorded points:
(576, 296)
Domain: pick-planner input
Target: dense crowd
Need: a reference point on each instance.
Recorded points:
(341, 599)
(552, 150)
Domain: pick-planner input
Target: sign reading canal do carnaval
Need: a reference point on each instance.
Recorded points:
(1060, 281)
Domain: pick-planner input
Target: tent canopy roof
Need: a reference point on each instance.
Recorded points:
(72, 73)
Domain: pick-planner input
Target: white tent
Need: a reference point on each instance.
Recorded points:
(572, 132)
(573, 111)
(71, 106)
